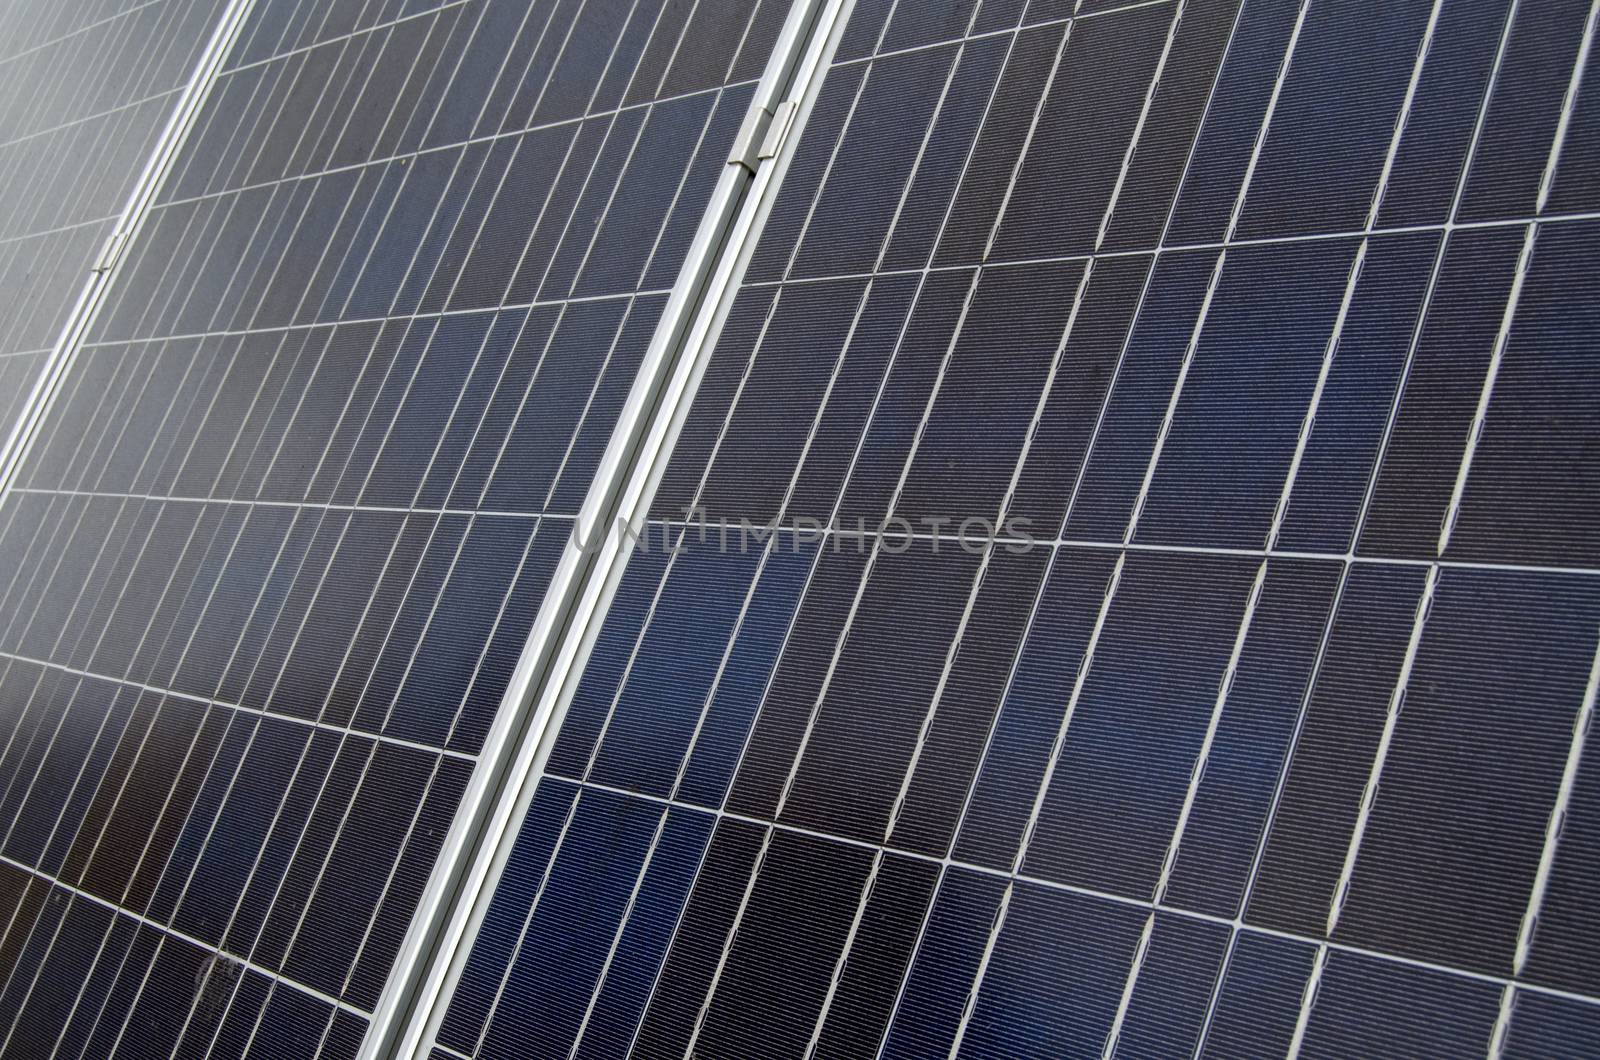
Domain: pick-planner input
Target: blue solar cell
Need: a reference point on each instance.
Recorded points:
(1560, 954)
(1053, 945)
(641, 945)
(1235, 791)
(780, 1001)
(1066, 180)
(1160, 156)
(1016, 756)
(603, 677)
(1133, 736)
(1002, 357)
(1172, 995)
(1522, 113)
(1086, 369)
(737, 697)
(1365, 1005)
(657, 711)
(911, 381)
(936, 791)
(866, 727)
(1471, 778)
(948, 146)
(987, 172)
(796, 684)
(1102, 502)
(1530, 497)
(1443, 384)
(686, 977)
(1245, 396)
(856, 205)
(567, 939)
(1543, 1025)
(939, 982)
(804, 343)
(1315, 812)
(1444, 112)
(1369, 362)
(1238, 105)
(478, 987)
(1258, 999)
(1320, 164)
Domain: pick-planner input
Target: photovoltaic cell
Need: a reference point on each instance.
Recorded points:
(281, 538)
(85, 91)
(1246, 338)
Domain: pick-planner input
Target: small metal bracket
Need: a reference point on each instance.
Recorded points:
(762, 135)
(778, 130)
(110, 252)
(747, 145)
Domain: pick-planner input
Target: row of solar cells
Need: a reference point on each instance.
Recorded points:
(459, 174)
(1255, 369)
(625, 948)
(1475, 764)
(1062, 108)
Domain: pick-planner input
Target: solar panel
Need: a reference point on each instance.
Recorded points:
(1119, 574)
(281, 535)
(1201, 654)
(85, 91)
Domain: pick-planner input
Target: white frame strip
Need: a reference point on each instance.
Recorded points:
(513, 756)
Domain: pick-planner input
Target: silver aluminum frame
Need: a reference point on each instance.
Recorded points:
(485, 828)
(104, 270)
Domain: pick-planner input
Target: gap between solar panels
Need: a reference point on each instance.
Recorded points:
(591, 567)
(104, 269)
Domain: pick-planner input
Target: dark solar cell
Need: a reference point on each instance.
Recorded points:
(1052, 944)
(1367, 1005)
(1531, 496)
(1172, 994)
(936, 987)
(1444, 379)
(1523, 111)
(1453, 843)
(1254, 1006)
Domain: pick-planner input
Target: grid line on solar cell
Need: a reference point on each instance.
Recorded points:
(1273, 526)
(80, 894)
(262, 503)
(376, 27)
(308, 723)
(51, 232)
(86, 28)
